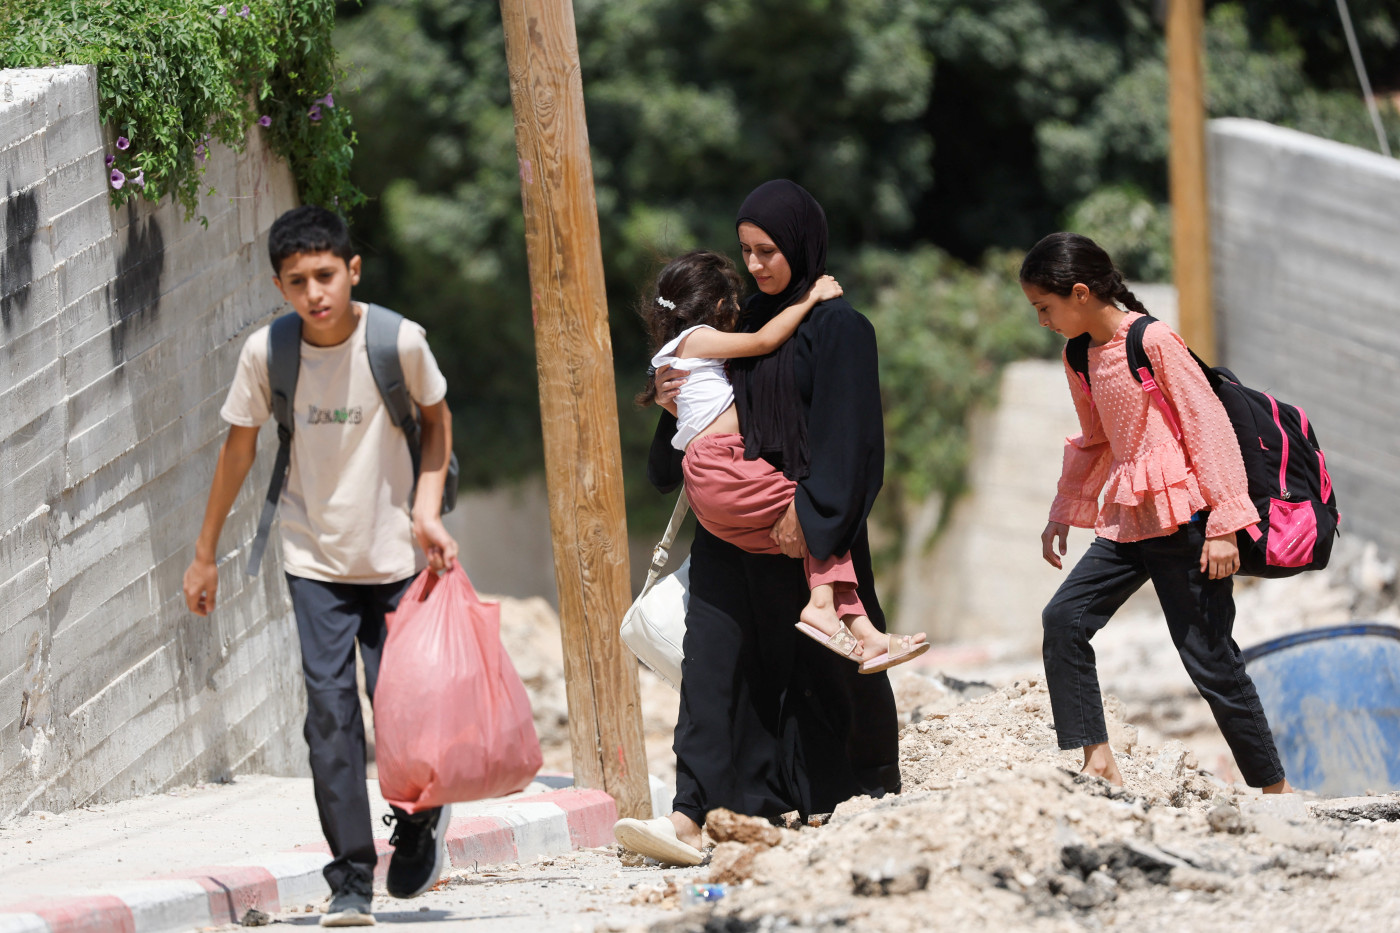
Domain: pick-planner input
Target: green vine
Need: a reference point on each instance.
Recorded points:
(173, 75)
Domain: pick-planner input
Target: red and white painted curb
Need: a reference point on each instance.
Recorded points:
(517, 829)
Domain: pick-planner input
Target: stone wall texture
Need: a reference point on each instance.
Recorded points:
(119, 334)
(1307, 290)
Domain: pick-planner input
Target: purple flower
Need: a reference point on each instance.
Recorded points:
(223, 11)
(110, 159)
(264, 120)
(244, 12)
(327, 101)
(315, 112)
(117, 179)
(199, 152)
(139, 178)
(123, 143)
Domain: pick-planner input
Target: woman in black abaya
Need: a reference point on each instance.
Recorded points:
(771, 722)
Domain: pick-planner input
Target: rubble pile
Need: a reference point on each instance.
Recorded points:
(995, 829)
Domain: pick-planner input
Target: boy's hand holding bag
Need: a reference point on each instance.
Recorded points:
(452, 720)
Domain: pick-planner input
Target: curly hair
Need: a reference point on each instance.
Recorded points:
(698, 287)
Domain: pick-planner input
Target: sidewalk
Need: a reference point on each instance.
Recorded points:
(202, 856)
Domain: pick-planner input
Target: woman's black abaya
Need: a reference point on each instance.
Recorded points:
(770, 721)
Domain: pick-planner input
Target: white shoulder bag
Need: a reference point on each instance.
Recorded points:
(654, 626)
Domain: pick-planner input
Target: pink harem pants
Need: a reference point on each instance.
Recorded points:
(740, 501)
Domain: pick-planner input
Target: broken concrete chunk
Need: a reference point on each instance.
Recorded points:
(1174, 759)
(890, 878)
(727, 826)
(1225, 817)
(732, 862)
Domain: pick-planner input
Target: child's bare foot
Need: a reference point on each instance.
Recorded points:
(1282, 787)
(882, 651)
(820, 614)
(1098, 761)
(874, 640)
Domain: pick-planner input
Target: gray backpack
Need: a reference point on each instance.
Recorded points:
(283, 367)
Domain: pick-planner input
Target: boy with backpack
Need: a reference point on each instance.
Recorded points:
(366, 440)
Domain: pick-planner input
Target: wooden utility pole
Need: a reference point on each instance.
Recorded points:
(1190, 203)
(578, 399)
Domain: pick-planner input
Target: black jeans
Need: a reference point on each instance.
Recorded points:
(1200, 616)
(330, 618)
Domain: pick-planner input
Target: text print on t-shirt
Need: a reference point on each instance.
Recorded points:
(334, 415)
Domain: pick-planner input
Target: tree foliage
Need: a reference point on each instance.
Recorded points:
(933, 132)
(174, 74)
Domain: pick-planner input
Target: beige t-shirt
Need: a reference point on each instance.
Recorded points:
(345, 506)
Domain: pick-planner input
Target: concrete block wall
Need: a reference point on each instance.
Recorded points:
(119, 334)
(1307, 290)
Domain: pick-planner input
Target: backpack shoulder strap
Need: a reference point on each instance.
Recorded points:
(382, 343)
(1077, 354)
(283, 368)
(1137, 354)
(1141, 367)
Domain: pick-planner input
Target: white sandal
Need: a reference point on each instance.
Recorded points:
(656, 839)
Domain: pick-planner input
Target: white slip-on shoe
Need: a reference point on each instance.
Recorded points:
(656, 839)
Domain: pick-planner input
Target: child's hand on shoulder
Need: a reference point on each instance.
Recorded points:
(825, 289)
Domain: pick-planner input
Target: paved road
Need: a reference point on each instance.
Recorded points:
(583, 892)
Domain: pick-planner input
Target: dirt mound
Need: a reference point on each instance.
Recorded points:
(995, 829)
(530, 633)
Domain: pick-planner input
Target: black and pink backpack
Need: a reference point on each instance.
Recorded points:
(1286, 468)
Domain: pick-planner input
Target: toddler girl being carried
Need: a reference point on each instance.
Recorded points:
(692, 316)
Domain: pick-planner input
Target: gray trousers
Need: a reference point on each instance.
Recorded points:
(330, 618)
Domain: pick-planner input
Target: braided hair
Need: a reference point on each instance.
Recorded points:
(698, 287)
(1062, 260)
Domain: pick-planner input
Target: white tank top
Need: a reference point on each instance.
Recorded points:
(705, 395)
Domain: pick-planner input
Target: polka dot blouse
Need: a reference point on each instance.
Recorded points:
(1150, 482)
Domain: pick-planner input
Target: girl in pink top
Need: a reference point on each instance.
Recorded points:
(1170, 511)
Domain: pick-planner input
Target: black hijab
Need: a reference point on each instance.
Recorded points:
(771, 416)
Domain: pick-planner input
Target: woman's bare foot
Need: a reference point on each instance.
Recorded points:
(1098, 761)
(687, 830)
(820, 613)
(1282, 787)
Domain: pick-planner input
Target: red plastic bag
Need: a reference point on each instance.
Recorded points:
(452, 721)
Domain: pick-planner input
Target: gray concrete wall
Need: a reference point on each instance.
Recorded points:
(119, 334)
(1307, 289)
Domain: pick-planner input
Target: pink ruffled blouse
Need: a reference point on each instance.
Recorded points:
(1150, 481)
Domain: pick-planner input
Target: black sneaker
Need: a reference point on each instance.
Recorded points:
(420, 845)
(350, 906)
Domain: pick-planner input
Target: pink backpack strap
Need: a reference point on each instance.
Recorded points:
(1321, 460)
(1283, 460)
(1154, 391)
